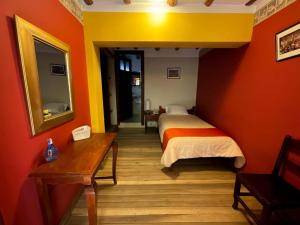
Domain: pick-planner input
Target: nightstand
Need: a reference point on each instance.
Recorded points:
(149, 116)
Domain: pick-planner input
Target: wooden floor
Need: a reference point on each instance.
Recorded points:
(197, 191)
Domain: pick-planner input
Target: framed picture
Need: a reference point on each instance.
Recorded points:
(58, 69)
(288, 43)
(173, 73)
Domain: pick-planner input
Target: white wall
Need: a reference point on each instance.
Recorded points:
(163, 91)
(54, 88)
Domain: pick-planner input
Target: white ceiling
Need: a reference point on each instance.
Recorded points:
(183, 6)
(168, 52)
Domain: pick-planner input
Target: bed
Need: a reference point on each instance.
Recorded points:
(184, 136)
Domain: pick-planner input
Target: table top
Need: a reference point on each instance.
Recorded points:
(80, 158)
(151, 116)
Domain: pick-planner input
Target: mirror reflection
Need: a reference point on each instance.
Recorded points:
(53, 79)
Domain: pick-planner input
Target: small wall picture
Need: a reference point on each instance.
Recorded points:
(288, 43)
(58, 69)
(174, 73)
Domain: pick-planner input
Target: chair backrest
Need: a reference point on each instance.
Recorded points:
(289, 145)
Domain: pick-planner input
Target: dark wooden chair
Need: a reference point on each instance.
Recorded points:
(272, 190)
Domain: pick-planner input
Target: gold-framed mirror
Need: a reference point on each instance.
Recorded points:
(47, 76)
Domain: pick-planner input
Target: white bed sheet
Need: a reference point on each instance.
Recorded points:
(194, 147)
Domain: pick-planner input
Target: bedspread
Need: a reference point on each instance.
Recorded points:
(182, 147)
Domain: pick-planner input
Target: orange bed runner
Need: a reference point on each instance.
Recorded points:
(190, 132)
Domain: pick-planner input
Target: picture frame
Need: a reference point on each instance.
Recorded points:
(58, 69)
(173, 73)
(288, 43)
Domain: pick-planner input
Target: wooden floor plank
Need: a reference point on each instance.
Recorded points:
(191, 192)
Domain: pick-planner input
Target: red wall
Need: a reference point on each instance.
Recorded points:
(250, 95)
(19, 151)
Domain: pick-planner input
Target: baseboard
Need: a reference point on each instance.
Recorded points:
(130, 125)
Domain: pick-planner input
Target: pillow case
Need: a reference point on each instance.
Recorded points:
(176, 110)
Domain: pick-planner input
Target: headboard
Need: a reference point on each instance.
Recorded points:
(190, 111)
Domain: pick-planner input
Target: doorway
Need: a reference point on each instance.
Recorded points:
(129, 68)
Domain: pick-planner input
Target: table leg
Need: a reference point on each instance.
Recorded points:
(114, 162)
(90, 196)
(42, 189)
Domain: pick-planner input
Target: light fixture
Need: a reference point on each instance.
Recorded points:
(172, 2)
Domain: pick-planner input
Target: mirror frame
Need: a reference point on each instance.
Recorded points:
(27, 33)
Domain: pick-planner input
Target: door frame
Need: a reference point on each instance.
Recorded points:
(105, 88)
(117, 53)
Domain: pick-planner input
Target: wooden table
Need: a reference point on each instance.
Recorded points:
(150, 117)
(76, 164)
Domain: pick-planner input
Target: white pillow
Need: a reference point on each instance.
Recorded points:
(176, 110)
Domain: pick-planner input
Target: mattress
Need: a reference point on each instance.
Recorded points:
(184, 147)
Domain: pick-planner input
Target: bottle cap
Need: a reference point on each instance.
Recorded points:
(50, 142)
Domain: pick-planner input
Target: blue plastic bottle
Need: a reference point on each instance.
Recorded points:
(51, 153)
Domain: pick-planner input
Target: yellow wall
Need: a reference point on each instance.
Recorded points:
(207, 30)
